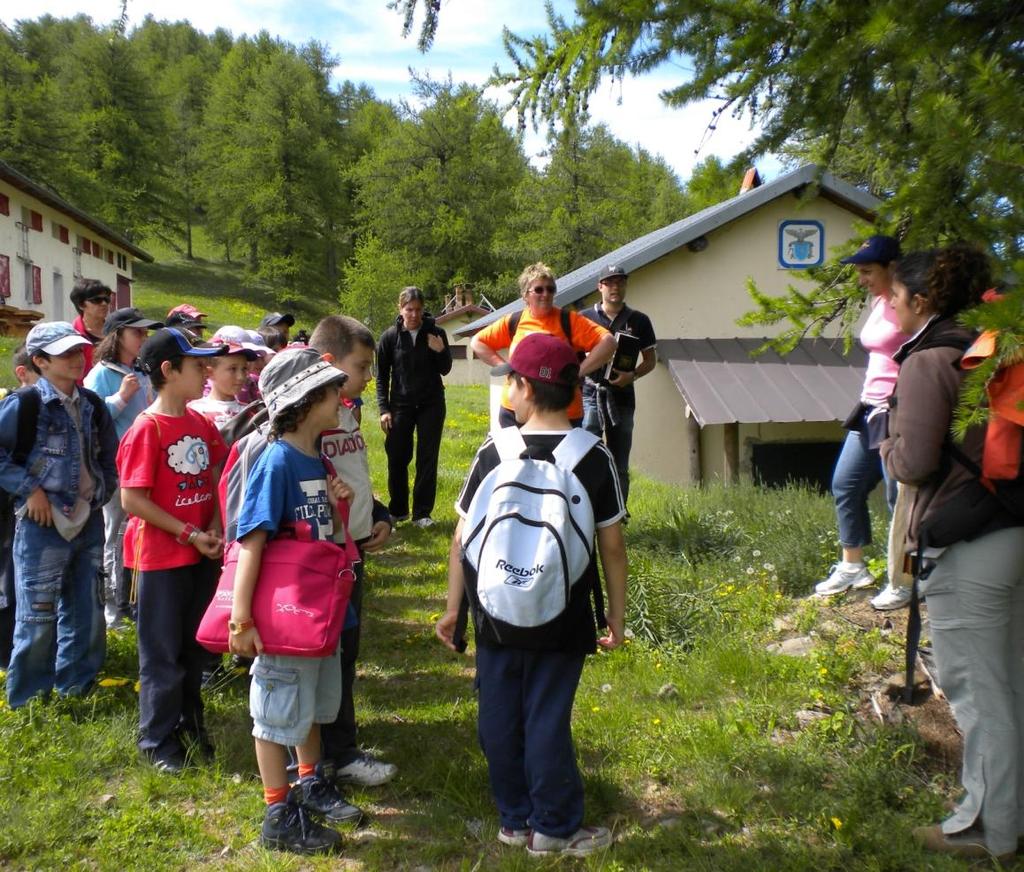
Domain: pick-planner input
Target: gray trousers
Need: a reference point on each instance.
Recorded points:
(975, 598)
(115, 519)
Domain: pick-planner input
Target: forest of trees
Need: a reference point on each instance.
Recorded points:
(316, 186)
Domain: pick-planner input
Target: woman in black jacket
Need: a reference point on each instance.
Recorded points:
(412, 356)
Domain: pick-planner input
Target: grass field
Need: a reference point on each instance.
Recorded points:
(699, 748)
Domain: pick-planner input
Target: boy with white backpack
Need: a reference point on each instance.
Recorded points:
(524, 552)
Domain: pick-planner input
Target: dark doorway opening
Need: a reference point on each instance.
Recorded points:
(776, 464)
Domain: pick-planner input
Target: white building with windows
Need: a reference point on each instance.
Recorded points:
(46, 244)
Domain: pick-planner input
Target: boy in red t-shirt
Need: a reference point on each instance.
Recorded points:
(168, 463)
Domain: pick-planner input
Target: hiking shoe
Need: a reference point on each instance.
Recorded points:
(844, 576)
(170, 761)
(319, 794)
(968, 844)
(366, 771)
(287, 826)
(585, 841)
(424, 522)
(891, 598)
(515, 838)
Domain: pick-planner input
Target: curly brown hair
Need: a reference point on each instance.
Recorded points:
(950, 279)
(288, 420)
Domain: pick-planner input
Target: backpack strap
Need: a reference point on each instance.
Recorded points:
(566, 321)
(513, 324)
(29, 402)
(574, 447)
(509, 443)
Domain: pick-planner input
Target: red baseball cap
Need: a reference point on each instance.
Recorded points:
(187, 309)
(544, 358)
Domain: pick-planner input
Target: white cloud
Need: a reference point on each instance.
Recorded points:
(366, 35)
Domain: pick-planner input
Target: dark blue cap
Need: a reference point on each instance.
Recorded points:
(170, 344)
(876, 249)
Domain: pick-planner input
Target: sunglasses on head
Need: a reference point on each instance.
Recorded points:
(543, 289)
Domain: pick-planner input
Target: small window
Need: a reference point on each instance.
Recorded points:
(85, 245)
(5, 276)
(35, 220)
(110, 256)
(458, 352)
(37, 284)
(60, 232)
(64, 235)
(97, 250)
(5, 204)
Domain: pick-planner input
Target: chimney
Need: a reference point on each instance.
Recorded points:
(751, 180)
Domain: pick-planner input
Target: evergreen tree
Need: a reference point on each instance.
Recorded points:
(441, 183)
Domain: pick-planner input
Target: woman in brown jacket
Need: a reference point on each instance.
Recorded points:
(975, 589)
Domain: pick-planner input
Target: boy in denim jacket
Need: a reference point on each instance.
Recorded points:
(59, 491)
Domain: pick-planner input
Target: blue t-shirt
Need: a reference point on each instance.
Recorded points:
(286, 486)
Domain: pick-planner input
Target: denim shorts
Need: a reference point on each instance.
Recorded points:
(289, 694)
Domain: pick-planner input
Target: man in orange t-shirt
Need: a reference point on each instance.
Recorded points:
(541, 315)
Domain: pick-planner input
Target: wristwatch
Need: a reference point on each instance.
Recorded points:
(236, 628)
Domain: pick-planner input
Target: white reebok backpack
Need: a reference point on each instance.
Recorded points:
(528, 535)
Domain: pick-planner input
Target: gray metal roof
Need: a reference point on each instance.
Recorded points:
(723, 384)
(648, 248)
(23, 183)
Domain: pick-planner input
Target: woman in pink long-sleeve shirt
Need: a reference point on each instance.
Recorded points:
(859, 468)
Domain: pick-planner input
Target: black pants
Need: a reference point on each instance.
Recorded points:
(171, 661)
(339, 738)
(428, 423)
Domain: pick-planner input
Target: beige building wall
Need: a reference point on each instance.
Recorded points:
(59, 264)
(701, 294)
(468, 370)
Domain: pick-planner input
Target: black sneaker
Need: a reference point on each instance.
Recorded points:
(287, 826)
(320, 795)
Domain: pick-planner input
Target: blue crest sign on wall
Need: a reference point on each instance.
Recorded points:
(801, 244)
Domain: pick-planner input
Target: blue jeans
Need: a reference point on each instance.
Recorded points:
(524, 727)
(59, 634)
(858, 472)
(619, 438)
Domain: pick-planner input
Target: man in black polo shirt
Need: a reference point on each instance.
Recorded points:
(609, 404)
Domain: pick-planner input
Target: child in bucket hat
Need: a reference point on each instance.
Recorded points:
(291, 696)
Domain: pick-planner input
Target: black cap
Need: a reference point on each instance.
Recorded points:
(170, 344)
(611, 271)
(273, 319)
(129, 317)
(180, 319)
(876, 249)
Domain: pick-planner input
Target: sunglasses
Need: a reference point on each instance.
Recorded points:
(543, 289)
(99, 301)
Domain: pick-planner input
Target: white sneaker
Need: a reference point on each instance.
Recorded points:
(844, 576)
(586, 840)
(891, 598)
(367, 771)
(423, 522)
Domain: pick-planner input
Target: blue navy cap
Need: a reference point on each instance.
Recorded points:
(170, 343)
(876, 249)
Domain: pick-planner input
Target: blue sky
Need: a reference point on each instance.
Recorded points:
(367, 37)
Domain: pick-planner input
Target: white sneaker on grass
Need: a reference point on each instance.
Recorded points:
(585, 841)
(891, 598)
(844, 576)
(515, 838)
(366, 770)
(424, 522)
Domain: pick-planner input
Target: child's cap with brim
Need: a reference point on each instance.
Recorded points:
(294, 373)
(53, 338)
(170, 343)
(542, 357)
